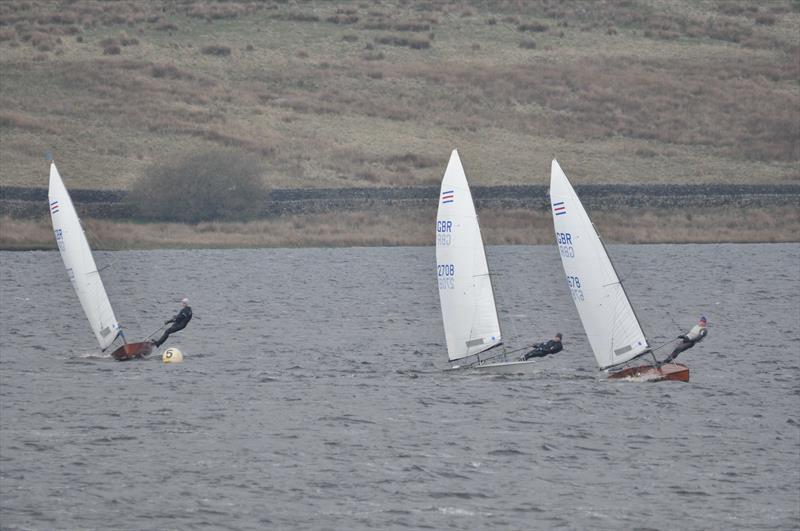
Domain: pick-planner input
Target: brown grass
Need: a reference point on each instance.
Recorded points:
(401, 226)
(21, 120)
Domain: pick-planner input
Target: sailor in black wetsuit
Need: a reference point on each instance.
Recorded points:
(179, 322)
(689, 339)
(541, 350)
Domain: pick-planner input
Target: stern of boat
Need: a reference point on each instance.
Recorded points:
(130, 351)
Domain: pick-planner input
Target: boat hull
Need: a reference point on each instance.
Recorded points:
(506, 367)
(649, 373)
(130, 351)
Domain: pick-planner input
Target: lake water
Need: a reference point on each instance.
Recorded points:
(311, 397)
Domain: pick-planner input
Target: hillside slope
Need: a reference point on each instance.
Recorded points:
(335, 94)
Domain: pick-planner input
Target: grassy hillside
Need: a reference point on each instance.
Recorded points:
(379, 92)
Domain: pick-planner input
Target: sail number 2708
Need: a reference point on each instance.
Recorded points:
(446, 274)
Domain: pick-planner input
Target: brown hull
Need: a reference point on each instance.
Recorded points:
(130, 351)
(670, 371)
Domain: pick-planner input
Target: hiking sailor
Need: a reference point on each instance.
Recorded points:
(688, 340)
(541, 350)
(179, 322)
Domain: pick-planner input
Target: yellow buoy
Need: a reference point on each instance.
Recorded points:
(172, 355)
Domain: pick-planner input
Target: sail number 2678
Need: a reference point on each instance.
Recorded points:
(574, 284)
(446, 275)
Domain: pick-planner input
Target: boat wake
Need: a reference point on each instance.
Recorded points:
(93, 356)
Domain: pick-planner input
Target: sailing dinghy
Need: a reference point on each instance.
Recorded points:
(83, 273)
(611, 325)
(471, 326)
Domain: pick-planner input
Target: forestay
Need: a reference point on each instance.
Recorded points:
(465, 288)
(80, 265)
(605, 311)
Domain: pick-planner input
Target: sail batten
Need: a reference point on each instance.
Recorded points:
(611, 325)
(81, 268)
(469, 313)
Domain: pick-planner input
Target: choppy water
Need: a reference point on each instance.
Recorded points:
(311, 397)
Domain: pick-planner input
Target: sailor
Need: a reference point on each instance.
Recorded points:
(541, 350)
(688, 340)
(179, 322)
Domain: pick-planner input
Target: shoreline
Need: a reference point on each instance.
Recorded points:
(394, 226)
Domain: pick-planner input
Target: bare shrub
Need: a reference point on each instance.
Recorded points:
(219, 184)
(296, 17)
(216, 49)
(533, 27)
(349, 37)
(413, 159)
(44, 42)
(112, 49)
(382, 26)
(410, 42)
(412, 26)
(343, 19)
(125, 40)
(528, 45)
(166, 26)
(727, 31)
(368, 176)
(216, 12)
(169, 72)
(766, 20)
(419, 44)
(731, 8)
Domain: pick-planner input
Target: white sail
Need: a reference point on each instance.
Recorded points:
(80, 265)
(465, 289)
(613, 330)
